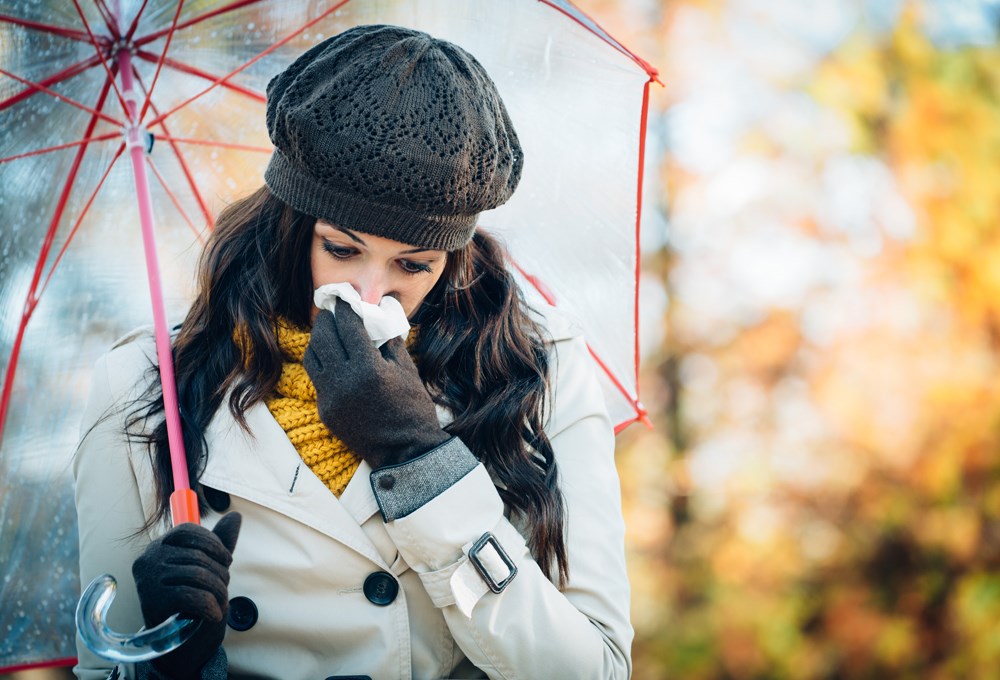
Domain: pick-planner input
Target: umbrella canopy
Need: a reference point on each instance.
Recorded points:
(72, 266)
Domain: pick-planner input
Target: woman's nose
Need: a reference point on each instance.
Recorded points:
(370, 286)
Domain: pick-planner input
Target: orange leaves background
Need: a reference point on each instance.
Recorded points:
(820, 497)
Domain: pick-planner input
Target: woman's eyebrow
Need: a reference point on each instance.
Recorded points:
(353, 236)
(357, 239)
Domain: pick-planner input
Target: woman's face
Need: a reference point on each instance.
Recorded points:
(374, 265)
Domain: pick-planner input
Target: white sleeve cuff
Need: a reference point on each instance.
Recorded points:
(437, 538)
(463, 584)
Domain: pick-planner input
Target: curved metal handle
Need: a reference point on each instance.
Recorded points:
(91, 617)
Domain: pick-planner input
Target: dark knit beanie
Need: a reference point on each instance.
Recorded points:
(388, 131)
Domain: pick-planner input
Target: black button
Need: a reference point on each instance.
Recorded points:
(381, 588)
(387, 482)
(217, 500)
(242, 613)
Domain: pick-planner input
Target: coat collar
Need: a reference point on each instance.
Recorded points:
(265, 468)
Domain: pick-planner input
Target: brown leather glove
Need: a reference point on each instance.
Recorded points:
(186, 571)
(372, 399)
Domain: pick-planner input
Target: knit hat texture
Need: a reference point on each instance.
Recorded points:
(388, 131)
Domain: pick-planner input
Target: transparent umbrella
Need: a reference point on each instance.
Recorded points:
(94, 93)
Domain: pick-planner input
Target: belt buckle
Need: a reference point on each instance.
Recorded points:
(494, 585)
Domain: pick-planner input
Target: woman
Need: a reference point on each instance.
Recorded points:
(453, 514)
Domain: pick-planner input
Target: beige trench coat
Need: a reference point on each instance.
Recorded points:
(303, 554)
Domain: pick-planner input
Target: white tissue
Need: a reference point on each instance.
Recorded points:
(383, 321)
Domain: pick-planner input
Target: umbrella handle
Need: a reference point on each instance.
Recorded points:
(91, 623)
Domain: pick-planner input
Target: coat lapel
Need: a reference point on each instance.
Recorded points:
(266, 469)
(358, 498)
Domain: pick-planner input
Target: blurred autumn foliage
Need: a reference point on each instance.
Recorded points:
(820, 497)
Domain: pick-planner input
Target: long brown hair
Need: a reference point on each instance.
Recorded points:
(478, 351)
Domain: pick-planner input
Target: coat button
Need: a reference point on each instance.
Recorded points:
(217, 500)
(387, 482)
(381, 588)
(242, 613)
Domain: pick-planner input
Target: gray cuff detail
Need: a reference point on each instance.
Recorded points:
(404, 488)
(216, 668)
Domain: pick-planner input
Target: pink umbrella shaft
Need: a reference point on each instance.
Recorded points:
(183, 501)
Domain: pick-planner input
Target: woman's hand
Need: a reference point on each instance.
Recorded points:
(371, 399)
(186, 571)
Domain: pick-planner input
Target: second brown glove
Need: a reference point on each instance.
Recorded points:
(370, 398)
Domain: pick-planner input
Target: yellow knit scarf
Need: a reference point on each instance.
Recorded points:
(294, 407)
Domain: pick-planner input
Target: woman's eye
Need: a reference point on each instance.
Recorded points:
(414, 267)
(338, 251)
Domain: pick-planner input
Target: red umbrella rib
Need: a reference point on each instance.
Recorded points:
(61, 31)
(261, 55)
(79, 220)
(109, 19)
(59, 77)
(643, 125)
(100, 56)
(206, 213)
(159, 62)
(640, 411)
(594, 28)
(53, 93)
(174, 199)
(32, 299)
(212, 142)
(143, 40)
(194, 71)
(59, 147)
(135, 21)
